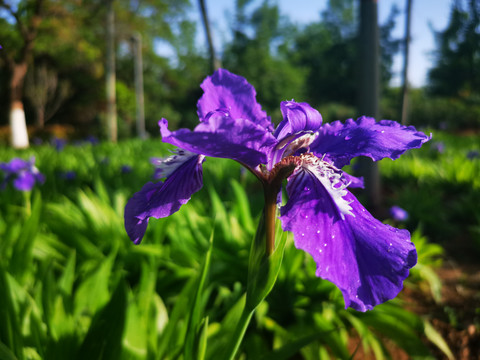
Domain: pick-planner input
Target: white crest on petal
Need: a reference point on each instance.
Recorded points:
(166, 166)
(331, 179)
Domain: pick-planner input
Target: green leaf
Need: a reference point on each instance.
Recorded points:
(243, 205)
(104, 337)
(10, 333)
(369, 340)
(400, 326)
(289, 350)
(202, 337)
(5, 353)
(219, 340)
(173, 334)
(262, 269)
(66, 281)
(435, 337)
(262, 274)
(93, 291)
(196, 307)
(23, 250)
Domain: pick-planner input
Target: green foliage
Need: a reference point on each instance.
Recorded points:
(76, 275)
(438, 112)
(330, 46)
(456, 59)
(451, 176)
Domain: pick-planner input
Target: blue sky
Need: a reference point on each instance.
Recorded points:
(425, 12)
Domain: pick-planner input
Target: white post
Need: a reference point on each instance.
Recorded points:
(18, 126)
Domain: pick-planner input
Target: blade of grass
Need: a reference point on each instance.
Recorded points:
(196, 306)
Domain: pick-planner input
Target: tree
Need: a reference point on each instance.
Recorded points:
(111, 113)
(328, 50)
(45, 91)
(258, 52)
(214, 61)
(406, 45)
(16, 55)
(457, 58)
(368, 91)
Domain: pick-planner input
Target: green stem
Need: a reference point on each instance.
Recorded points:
(270, 217)
(27, 196)
(240, 330)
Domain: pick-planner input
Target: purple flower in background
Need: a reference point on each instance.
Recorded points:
(37, 141)
(398, 214)
(438, 146)
(58, 143)
(68, 175)
(366, 259)
(125, 169)
(473, 154)
(24, 173)
(92, 139)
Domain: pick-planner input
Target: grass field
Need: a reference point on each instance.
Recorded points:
(72, 285)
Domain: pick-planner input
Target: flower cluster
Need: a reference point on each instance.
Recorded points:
(366, 259)
(24, 173)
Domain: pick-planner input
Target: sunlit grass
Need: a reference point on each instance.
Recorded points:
(68, 272)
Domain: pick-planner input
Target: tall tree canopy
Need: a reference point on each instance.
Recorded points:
(327, 48)
(457, 57)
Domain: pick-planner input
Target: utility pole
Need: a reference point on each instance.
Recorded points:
(110, 74)
(138, 73)
(368, 91)
(405, 85)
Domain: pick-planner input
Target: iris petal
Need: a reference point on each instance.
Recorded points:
(297, 117)
(25, 181)
(163, 198)
(365, 137)
(365, 259)
(226, 91)
(220, 135)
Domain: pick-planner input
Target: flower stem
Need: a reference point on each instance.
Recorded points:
(270, 216)
(27, 195)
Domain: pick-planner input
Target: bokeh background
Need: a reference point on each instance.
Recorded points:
(72, 284)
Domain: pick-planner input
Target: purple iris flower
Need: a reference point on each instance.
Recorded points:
(398, 214)
(366, 259)
(68, 175)
(24, 173)
(438, 147)
(58, 143)
(473, 154)
(125, 169)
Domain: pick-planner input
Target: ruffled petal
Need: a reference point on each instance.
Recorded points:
(25, 181)
(163, 198)
(164, 167)
(365, 137)
(226, 91)
(221, 135)
(365, 259)
(297, 117)
(353, 181)
(16, 165)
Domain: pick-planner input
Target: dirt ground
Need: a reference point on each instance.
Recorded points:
(457, 316)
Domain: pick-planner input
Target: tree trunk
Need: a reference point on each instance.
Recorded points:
(368, 92)
(214, 61)
(405, 84)
(110, 74)
(18, 124)
(138, 73)
(40, 121)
